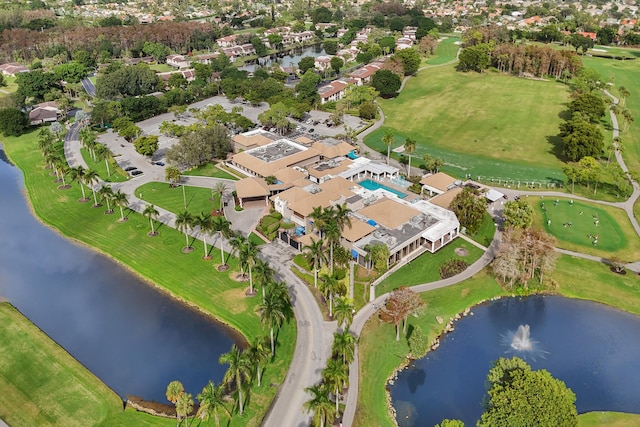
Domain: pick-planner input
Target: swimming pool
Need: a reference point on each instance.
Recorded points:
(374, 185)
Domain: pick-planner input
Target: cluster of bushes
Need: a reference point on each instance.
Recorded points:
(452, 267)
(270, 224)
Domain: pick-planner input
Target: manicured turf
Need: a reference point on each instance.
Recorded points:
(171, 198)
(446, 51)
(484, 236)
(450, 119)
(609, 419)
(117, 174)
(424, 269)
(211, 170)
(380, 353)
(624, 73)
(157, 259)
(616, 237)
(42, 385)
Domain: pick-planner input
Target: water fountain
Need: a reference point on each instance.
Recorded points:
(521, 340)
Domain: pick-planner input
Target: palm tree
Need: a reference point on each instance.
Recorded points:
(88, 139)
(62, 169)
(343, 311)
(624, 94)
(315, 255)
(409, 148)
(205, 222)
(249, 255)
(223, 227)
(322, 408)
(336, 376)
(175, 390)
(329, 287)
(103, 153)
(258, 355)
(273, 313)
(388, 139)
(237, 242)
(172, 175)
(151, 212)
(220, 189)
(318, 216)
(344, 346)
(106, 194)
(342, 216)
(77, 174)
(332, 233)
(121, 201)
(90, 178)
(184, 406)
(211, 399)
(238, 371)
(184, 221)
(264, 274)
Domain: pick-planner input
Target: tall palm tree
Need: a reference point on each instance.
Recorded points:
(264, 274)
(343, 311)
(205, 222)
(318, 217)
(388, 139)
(624, 94)
(342, 216)
(320, 404)
(62, 169)
(77, 174)
(344, 346)
(409, 148)
(314, 254)
(184, 221)
(237, 242)
(249, 255)
(336, 376)
(258, 354)
(152, 213)
(90, 178)
(106, 194)
(211, 399)
(175, 390)
(184, 406)
(121, 201)
(223, 228)
(103, 153)
(220, 189)
(329, 287)
(239, 370)
(332, 234)
(88, 139)
(273, 313)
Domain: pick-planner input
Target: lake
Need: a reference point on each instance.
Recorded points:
(292, 58)
(131, 336)
(593, 348)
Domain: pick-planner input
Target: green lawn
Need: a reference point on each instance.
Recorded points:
(117, 174)
(616, 236)
(450, 119)
(172, 198)
(211, 170)
(424, 269)
(623, 73)
(380, 354)
(156, 259)
(42, 385)
(11, 86)
(162, 68)
(446, 51)
(484, 236)
(610, 419)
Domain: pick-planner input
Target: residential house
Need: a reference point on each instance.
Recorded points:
(178, 61)
(45, 112)
(332, 92)
(11, 69)
(363, 75)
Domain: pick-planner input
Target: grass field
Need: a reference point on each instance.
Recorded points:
(117, 174)
(210, 170)
(42, 385)
(424, 269)
(616, 236)
(159, 260)
(198, 199)
(451, 119)
(595, 282)
(445, 52)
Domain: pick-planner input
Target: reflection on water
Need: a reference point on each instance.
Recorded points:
(591, 347)
(131, 336)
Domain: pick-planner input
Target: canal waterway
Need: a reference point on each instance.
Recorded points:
(130, 335)
(593, 348)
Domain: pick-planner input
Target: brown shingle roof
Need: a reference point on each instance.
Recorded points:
(289, 175)
(256, 140)
(252, 187)
(444, 200)
(439, 180)
(357, 231)
(260, 167)
(333, 151)
(389, 213)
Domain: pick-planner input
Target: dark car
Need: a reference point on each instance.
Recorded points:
(159, 164)
(136, 172)
(130, 168)
(311, 130)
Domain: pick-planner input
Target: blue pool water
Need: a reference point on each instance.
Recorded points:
(374, 185)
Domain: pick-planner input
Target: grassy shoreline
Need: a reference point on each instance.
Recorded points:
(158, 261)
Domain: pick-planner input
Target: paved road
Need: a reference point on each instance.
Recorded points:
(88, 86)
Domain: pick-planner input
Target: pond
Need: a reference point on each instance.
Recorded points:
(291, 58)
(593, 348)
(131, 336)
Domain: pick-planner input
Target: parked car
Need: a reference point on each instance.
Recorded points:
(311, 130)
(159, 164)
(130, 168)
(136, 173)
